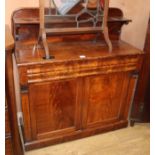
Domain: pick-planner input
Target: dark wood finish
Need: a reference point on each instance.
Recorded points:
(13, 144)
(141, 104)
(71, 97)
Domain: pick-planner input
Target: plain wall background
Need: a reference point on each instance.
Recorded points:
(134, 33)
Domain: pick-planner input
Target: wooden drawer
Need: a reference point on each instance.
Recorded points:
(65, 70)
(8, 146)
(7, 123)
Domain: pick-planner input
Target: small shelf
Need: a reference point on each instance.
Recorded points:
(36, 20)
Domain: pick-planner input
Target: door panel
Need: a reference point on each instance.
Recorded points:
(104, 97)
(53, 107)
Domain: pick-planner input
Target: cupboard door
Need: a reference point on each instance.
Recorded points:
(53, 108)
(105, 97)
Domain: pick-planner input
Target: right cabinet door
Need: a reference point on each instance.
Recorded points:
(107, 98)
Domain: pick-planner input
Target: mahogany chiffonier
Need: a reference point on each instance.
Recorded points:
(84, 91)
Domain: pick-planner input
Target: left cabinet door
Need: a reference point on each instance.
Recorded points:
(53, 108)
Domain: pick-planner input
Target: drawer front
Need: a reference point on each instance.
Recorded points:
(65, 70)
(8, 146)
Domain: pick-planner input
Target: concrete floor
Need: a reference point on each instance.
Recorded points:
(129, 141)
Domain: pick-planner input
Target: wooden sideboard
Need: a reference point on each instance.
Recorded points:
(71, 97)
